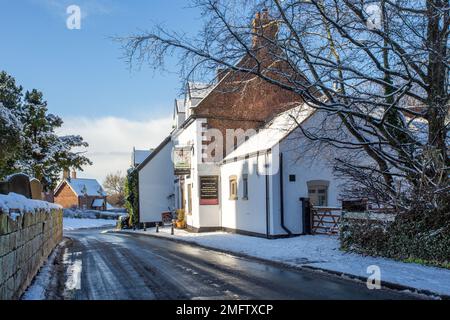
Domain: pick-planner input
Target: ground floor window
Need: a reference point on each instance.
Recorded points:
(245, 187)
(233, 188)
(318, 193)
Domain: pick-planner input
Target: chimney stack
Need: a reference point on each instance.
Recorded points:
(66, 174)
(74, 174)
(265, 29)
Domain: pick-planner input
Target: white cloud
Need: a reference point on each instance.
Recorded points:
(111, 140)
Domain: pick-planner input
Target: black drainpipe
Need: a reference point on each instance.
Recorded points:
(282, 197)
(267, 198)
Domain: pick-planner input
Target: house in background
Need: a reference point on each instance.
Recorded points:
(86, 194)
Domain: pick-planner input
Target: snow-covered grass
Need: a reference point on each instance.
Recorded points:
(321, 252)
(71, 224)
(92, 214)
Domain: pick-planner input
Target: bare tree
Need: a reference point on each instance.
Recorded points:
(380, 67)
(115, 188)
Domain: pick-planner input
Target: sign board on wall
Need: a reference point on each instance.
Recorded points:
(182, 161)
(209, 190)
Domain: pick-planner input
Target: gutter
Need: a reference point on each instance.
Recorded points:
(267, 199)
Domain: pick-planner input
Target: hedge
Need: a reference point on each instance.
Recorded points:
(422, 237)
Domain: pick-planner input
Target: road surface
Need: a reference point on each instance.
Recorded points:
(109, 266)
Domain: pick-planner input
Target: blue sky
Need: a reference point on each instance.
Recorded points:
(81, 71)
(83, 77)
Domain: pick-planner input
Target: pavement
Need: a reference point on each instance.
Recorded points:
(96, 265)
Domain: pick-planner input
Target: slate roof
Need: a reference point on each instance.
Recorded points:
(199, 90)
(139, 156)
(82, 187)
(273, 132)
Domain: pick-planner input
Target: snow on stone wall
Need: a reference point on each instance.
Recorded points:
(29, 231)
(18, 204)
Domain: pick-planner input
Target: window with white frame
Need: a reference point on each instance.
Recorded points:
(318, 192)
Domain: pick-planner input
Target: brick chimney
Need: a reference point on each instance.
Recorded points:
(74, 174)
(66, 174)
(264, 28)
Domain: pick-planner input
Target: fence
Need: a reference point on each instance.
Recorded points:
(325, 220)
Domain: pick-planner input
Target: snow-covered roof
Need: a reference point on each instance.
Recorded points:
(82, 187)
(97, 203)
(154, 153)
(273, 132)
(139, 156)
(180, 105)
(199, 90)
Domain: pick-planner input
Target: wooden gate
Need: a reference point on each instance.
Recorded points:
(325, 220)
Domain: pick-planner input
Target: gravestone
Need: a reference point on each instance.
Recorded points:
(20, 184)
(36, 189)
(4, 187)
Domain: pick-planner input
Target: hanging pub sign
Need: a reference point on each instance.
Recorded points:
(182, 161)
(209, 190)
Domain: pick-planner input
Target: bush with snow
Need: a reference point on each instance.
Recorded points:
(91, 214)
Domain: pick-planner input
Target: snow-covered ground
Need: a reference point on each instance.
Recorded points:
(71, 224)
(93, 214)
(320, 252)
(37, 289)
(84, 219)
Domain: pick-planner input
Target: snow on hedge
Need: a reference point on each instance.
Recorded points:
(21, 204)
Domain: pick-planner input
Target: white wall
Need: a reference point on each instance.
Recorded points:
(307, 164)
(202, 216)
(245, 215)
(156, 186)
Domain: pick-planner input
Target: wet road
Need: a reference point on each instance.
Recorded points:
(109, 266)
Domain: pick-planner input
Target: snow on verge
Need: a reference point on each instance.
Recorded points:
(70, 224)
(321, 252)
(37, 290)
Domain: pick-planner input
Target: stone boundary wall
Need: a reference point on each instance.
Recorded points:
(25, 244)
